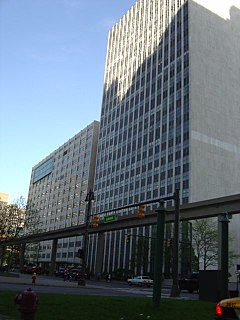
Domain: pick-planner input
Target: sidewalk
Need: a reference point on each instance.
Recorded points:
(26, 279)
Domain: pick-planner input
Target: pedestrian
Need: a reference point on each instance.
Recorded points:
(34, 277)
(98, 276)
(70, 276)
(109, 277)
(66, 274)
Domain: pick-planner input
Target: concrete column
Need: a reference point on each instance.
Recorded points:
(21, 255)
(99, 253)
(53, 257)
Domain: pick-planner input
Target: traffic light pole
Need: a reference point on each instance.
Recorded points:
(160, 242)
(175, 288)
(89, 199)
(190, 252)
(158, 259)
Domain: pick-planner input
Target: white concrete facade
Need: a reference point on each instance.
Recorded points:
(57, 192)
(214, 46)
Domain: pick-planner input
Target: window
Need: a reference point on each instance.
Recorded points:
(43, 170)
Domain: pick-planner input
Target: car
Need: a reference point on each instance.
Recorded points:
(60, 272)
(4, 268)
(190, 283)
(228, 309)
(36, 269)
(140, 281)
(30, 269)
(75, 273)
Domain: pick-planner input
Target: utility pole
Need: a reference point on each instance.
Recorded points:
(89, 199)
(175, 288)
(224, 221)
(158, 259)
(190, 252)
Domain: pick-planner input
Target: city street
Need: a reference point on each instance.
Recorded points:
(57, 285)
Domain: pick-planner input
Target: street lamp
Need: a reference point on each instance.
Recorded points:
(175, 288)
(89, 199)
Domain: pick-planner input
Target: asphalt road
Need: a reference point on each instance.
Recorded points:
(114, 288)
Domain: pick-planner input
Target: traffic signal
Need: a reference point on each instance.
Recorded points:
(95, 220)
(169, 243)
(141, 211)
(127, 237)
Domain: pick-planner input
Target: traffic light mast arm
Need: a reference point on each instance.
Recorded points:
(139, 236)
(138, 204)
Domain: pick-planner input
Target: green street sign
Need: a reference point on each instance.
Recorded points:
(110, 218)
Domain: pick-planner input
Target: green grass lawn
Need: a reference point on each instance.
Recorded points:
(78, 307)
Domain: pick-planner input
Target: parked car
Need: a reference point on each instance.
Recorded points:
(60, 272)
(31, 269)
(228, 309)
(4, 268)
(36, 269)
(140, 281)
(75, 273)
(190, 283)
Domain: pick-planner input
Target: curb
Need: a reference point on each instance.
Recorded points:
(5, 318)
(45, 283)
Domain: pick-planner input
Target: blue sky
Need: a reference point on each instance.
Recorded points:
(52, 59)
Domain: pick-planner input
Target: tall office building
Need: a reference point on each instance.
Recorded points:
(57, 193)
(170, 110)
(4, 198)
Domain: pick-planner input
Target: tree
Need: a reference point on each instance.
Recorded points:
(32, 225)
(142, 255)
(12, 219)
(232, 255)
(17, 220)
(205, 242)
